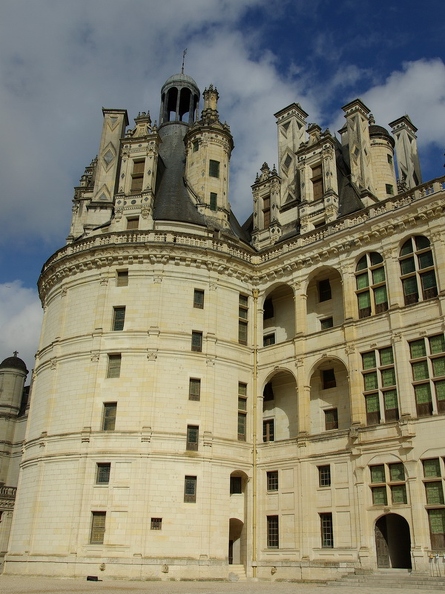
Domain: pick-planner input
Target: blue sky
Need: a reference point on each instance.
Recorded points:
(61, 61)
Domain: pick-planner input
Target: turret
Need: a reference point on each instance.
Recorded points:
(209, 145)
(13, 374)
(408, 165)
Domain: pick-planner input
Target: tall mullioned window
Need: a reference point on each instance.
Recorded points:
(242, 319)
(118, 318)
(428, 370)
(417, 270)
(327, 530)
(388, 483)
(372, 297)
(433, 479)
(380, 391)
(242, 411)
(273, 541)
(97, 532)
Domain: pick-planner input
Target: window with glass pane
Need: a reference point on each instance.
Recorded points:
(194, 389)
(417, 268)
(437, 344)
(324, 476)
(438, 366)
(391, 405)
(114, 365)
(431, 467)
(97, 532)
(272, 532)
(378, 473)
(268, 430)
(190, 483)
(417, 349)
(192, 437)
(198, 298)
(396, 472)
(272, 480)
(213, 168)
(388, 377)
(109, 416)
(197, 341)
(440, 395)
(379, 496)
(331, 419)
(437, 528)
(386, 356)
(420, 370)
(327, 530)
(242, 322)
(369, 361)
(434, 493)
(423, 400)
(242, 411)
(371, 274)
(103, 473)
(372, 409)
(118, 318)
(398, 494)
(371, 382)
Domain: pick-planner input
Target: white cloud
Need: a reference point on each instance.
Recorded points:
(20, 321)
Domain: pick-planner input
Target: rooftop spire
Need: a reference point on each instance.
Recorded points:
(183, 60)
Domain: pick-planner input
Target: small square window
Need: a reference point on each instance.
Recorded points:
(269, 339)
(272, 480)
(190, 484)
(132, 223)
(156, 524)
(324, 290)
(103, 473)
(194, 389)
(109, 416)
(122, 278)
(198, 298)
(192, 437)
(197, 341)
(327, 323)
(328, 379)
(324, 476)
(114, 365)
(118, 318)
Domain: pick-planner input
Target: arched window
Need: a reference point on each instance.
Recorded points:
(370, 281)
(417, 270)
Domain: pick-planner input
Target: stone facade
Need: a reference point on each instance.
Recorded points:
(267, 399)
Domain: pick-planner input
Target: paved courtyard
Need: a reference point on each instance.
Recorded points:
(40, 585)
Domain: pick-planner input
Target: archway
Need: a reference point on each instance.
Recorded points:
(393, 542)
(235, 541)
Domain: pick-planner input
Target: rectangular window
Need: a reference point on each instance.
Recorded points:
(213, 201)
(389, 189)
(331, 419)
(195, 146)
(190, 484)
(198, 298)
(132, 223)
(243, 311)
(214, 168)
(109, 416)
(317, 182)
(379, 496)
(379, 379)
(434, 493)
(328, 379)
(324, 290)
(436, 519)
(137, 177)
(118, 318)
(156, 524)
(192, 437)
(242, 411)
(114, 365)
(327, 323)
(327, 531)
(103, 473)
(196, 341)
(268, 430)
(97, 527)
(122, 278)
(272, 532)
(272, 480)
(236, 485)
(269, 339)
(377, 473)
(266, 212)
(324, 476)
(431, 468)
(194, 388)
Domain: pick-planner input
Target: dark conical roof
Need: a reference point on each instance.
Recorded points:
(13, 363)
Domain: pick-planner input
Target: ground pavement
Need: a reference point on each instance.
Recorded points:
(41, 585)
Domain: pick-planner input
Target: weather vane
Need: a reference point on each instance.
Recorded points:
(183, 60)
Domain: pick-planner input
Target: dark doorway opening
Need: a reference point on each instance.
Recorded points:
(393, 542)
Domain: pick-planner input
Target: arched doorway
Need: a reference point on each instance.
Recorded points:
(393, 542)
(235, 556)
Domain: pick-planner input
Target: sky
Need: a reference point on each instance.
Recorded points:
(61, 61)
